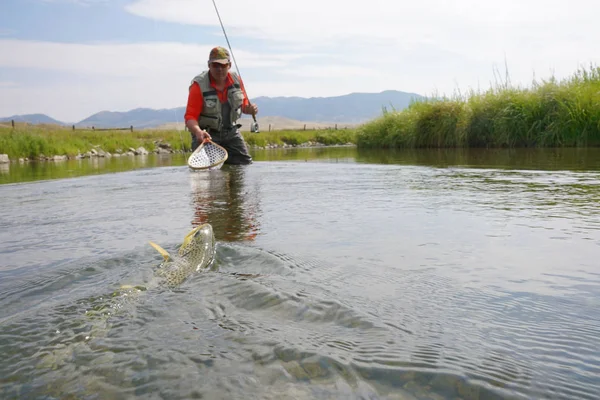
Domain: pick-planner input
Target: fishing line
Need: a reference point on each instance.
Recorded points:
(234, 62)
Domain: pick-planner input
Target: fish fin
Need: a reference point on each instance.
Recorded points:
(162, 251)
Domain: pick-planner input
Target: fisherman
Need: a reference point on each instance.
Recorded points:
(216, 100)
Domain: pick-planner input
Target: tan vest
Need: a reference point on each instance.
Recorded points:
(214, 115)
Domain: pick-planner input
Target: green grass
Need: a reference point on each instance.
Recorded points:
(32, 141)
(296, 137)
(548, 114)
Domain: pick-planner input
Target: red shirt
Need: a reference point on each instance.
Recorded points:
(196, 100)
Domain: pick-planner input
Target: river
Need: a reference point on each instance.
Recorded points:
(339, 273)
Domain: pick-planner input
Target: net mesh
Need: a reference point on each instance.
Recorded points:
(207, 155)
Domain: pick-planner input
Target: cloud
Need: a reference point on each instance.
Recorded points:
(533, 33)
(125, 60)
(70, 81)
(8, 84)
(80, 2)
(312, 48)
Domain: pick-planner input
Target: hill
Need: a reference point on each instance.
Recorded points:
(348, 109)
(32, 119)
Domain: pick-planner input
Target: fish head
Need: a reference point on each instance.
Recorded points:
(196, 252)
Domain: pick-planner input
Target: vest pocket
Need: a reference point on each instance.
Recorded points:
(209, 122)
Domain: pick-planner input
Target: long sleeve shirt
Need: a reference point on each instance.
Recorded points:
(196, 100)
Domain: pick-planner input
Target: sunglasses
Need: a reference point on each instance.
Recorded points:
(219, 65)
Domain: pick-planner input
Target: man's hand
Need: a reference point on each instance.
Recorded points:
(250, 109)
(202, 135)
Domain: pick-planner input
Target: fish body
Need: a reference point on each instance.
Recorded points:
(195, 254)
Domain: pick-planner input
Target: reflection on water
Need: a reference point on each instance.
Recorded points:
(222, 198)
(429, 275)
(546, 159)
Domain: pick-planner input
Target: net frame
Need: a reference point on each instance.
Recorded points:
(207, 155)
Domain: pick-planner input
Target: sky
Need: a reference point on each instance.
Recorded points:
(72, 58)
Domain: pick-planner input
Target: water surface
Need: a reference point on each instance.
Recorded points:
(339, 274)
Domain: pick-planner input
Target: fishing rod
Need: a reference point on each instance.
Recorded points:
(254, 126)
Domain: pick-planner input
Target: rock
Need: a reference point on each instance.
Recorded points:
(161, 150)
(93, 152)
(4, 159)
(117, 155)
(59, 158)
(141, 151)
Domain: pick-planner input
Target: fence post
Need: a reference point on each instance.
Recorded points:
(93, 128)
(131, 127)
(12, 121)
(336, 127)
(304, 126)
(269, 127)
(73, 127)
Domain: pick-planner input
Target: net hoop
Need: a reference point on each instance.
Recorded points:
(207, 155)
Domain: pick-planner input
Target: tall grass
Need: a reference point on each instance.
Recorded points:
(548, 114)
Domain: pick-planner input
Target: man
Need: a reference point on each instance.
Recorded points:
(216, 100)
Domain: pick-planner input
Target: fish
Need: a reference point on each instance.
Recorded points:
(196, 253)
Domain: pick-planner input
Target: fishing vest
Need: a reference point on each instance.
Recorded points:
(214, 115)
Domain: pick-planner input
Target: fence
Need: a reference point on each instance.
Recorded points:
(130, 128)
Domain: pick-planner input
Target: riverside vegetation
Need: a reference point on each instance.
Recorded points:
(551, 113)
(46, 142)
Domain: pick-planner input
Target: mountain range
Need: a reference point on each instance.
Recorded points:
(352, 108)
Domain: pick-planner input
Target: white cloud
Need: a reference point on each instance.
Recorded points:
(8, 84)
(399, 42)
(137, 60)
(316, 48)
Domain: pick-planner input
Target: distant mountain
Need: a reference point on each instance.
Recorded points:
(139, 118)
(351, 108)
(32, 119)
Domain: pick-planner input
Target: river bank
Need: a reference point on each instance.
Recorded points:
(33, 143)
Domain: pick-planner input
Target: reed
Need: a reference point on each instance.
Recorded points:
(550, 113)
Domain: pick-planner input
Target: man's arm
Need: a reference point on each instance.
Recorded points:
(247, 107)
(193, 110)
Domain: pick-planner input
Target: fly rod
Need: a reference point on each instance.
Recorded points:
(254, 127)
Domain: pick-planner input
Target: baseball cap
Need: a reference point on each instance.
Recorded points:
(219, 55)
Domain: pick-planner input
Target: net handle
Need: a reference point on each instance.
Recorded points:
(200, 149)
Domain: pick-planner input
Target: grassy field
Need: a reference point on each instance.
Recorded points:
(32, 141)
(548, 114)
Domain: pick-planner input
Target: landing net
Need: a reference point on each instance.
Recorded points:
(208, 155)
